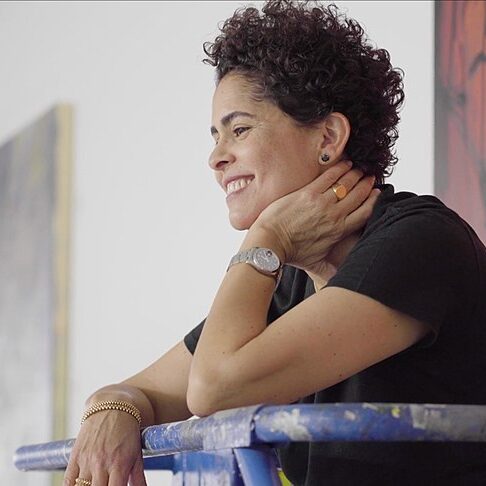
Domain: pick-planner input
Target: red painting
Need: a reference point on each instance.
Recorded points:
(460, 109)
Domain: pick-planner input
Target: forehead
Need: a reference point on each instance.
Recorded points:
(234, 93)
(232, 89)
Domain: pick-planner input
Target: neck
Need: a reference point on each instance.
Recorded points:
(334, 260)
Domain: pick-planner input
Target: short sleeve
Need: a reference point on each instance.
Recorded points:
(416, 258)
(192, 337)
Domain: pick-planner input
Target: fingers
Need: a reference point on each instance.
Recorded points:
(100, 478)
(83, 473)
(330, 176)
(357, 206)
(137, 477)
(72, 472)
(358, 218)
(117, 478)
(358, 192)
(341, 173)
(349, 181)
(111, 476)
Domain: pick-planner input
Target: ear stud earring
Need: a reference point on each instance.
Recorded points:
(324, 160)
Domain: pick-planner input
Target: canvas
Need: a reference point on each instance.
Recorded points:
(35, 177)
(460, 109)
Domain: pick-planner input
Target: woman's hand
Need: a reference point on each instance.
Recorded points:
(107, 451)
(308, 223)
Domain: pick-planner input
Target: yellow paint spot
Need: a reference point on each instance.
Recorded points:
(395, 411)
(283, 478)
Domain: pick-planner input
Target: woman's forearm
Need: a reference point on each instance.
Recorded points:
(239, 310)
(237, 316)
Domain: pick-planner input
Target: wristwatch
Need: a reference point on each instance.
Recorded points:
(264, 260)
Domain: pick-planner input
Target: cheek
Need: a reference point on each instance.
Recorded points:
(289, 176)
(280, 165)
(267, 189)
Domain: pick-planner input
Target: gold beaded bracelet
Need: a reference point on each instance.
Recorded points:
(113, 405)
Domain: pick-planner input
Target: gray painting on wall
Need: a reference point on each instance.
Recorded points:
(35, 174)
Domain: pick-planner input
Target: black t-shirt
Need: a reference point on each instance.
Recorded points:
(418, 257)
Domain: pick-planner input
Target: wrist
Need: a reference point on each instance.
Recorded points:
(111, 392)
(259, 236)
(113, 405)
(125, 393)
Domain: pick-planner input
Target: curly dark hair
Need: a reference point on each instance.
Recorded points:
(311, 60)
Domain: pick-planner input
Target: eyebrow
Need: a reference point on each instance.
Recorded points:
(227, 119)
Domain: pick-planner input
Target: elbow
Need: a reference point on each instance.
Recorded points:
(206, 393)
(201, 399)
(198, 401)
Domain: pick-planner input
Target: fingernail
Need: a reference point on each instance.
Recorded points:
(349, 163)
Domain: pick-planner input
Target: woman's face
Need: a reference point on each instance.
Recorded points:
(260, 153)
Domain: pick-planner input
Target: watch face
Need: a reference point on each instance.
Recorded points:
(266, 259)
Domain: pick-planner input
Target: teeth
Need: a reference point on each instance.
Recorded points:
(237, 185)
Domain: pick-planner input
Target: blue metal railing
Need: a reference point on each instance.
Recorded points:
(238, 443)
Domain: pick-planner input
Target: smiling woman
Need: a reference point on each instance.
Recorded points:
(341, 291)
(253, 141)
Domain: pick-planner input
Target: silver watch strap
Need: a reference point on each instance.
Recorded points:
(244, 256)
(247, 256)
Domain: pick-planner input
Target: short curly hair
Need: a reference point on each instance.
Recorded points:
(311, 60)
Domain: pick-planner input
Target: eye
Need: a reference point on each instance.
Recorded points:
(240, 130)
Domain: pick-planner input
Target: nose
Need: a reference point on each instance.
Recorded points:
(220, 157)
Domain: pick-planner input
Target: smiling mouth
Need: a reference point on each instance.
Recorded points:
(238, 185)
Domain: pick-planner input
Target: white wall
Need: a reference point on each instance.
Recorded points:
(150, 234)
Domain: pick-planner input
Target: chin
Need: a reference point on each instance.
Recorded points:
(241, 222)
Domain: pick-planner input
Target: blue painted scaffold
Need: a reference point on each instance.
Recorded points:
(235, 447)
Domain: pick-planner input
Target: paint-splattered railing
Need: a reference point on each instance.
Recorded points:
(234, 447)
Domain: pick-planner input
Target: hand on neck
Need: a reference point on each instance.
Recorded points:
(326, 269)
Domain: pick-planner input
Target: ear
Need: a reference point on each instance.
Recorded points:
(335, 131)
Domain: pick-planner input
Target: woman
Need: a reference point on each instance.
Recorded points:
(371, 295)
